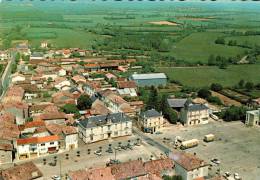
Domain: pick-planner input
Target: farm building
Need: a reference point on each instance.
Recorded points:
(152, 79)
(252, 118)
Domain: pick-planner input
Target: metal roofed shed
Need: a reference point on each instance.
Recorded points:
(151, 79)
(176, 103)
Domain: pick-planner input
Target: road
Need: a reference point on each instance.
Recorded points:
(5, 79)
(151, 141)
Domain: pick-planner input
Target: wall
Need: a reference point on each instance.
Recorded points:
(102, 132)
(5, 157)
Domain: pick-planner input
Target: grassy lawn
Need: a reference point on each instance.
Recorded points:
(61, 38)
(199, 46)
(245, 40)
(204, 76)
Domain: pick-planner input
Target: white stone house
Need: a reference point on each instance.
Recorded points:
(103, 127)
(253, 118)
(91, 88)
(62, 84)
(62, 72)
(193, 114)
(36, 146)
(4, 55)
(29, 96)
(150, 121)
(189, 166)
(17, 78)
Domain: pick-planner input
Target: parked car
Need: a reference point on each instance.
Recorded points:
(129, 146)
(112, 161)
(137, 144)
(216, 161)
(118, 148)
(236, 176)
(56, 177)
(98, 152)
(109, 150)
(158, 132)
(124, 147)
(227, 174)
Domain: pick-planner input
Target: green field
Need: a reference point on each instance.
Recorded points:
(199, 46)
(114, 28)
(204, 76)
(60, 38)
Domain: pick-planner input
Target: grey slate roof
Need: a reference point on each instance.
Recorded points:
(150, 113)
(176, 103)
(95, 121)
(196, 107)
(37, 54)
(149, 76)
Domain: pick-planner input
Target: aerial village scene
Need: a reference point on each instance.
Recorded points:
(87, 113)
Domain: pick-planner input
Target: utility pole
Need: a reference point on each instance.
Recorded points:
(60, 168)
(115, 153)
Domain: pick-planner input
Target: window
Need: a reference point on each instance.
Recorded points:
(51, 143)
(43, 144)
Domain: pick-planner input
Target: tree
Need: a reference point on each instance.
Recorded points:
(251, 59)
(216, 87)
(17, 57)
(153, 101)
(220, 40)
(171, 115)
(212, 60)
(249, 86)
(215, 100)
(234, 113)
(175, 177)
(232, 42)
(241, 83)
(163, 105)
(84, 102)
(204, 93)
(46, 95)
(71, 109)
(13, 68)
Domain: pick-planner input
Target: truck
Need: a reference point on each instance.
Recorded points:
(209, 138)
(189, 144)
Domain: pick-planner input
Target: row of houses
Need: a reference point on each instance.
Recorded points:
(185, 165)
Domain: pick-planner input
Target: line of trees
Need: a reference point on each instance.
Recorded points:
(155, 101)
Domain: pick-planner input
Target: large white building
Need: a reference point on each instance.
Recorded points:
(193, 114)
(189, 166)
(151, 121)
(253, 118)
(103, 127)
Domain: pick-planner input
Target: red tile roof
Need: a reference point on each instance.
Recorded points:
(7, 117)
(92, 174)
(6, 147)
(126, 84)
(9, 131)
(37, 140)
(187, 161)
(26, 171)
(128, 169)
(36, 123)
(157, 166)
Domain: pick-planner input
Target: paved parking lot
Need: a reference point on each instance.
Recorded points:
(85, 160)
(236, 146)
